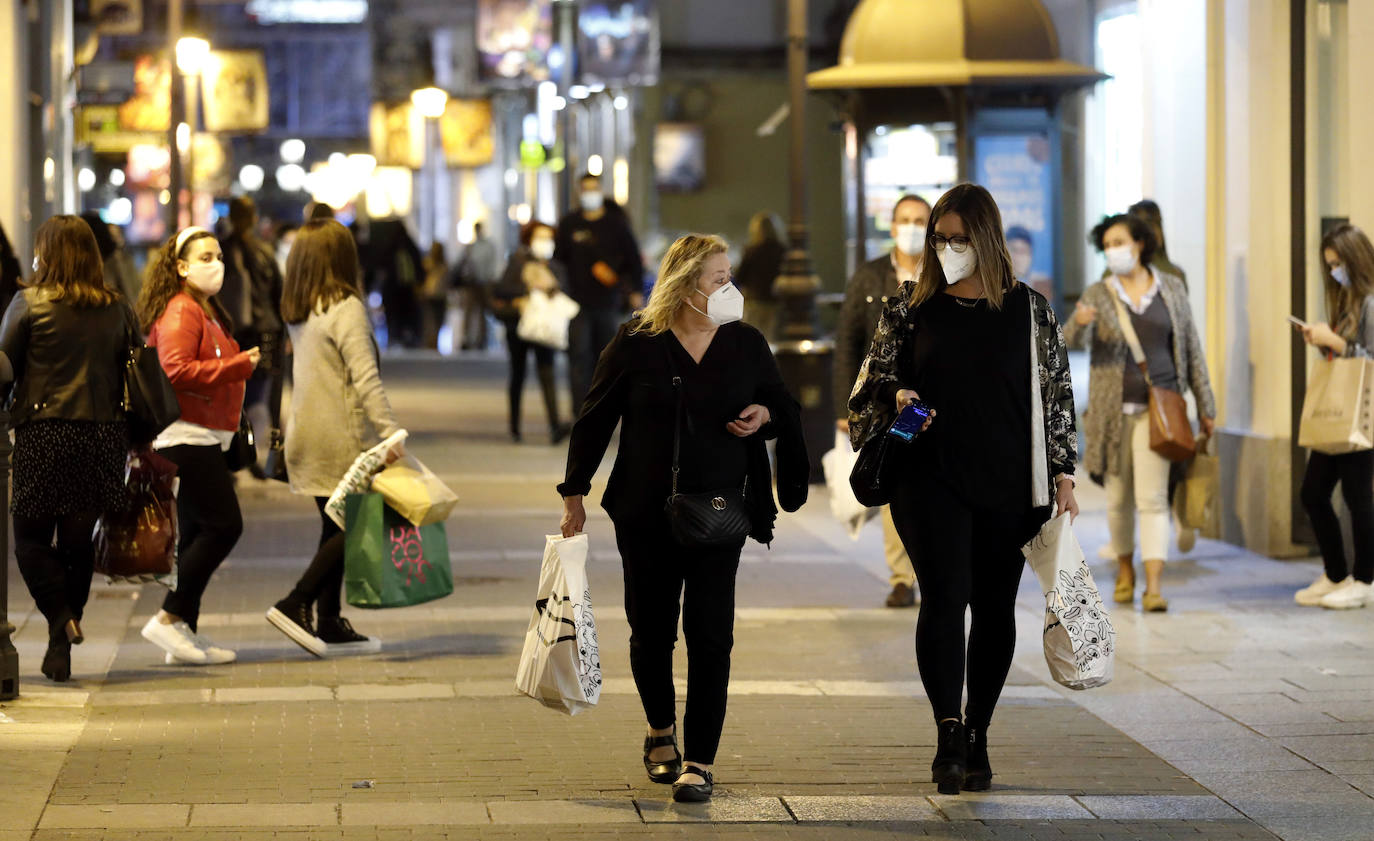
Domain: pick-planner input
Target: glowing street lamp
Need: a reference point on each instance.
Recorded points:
(430, 102)
(191, 55)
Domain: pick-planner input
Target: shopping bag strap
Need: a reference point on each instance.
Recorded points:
(1128, 333)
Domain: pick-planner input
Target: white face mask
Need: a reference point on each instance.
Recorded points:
(1340, 275)
(592, 201)
(724, 305)
(910, 239)
(957, 266)
(1121, 260)
(206, 278)
(542, 248)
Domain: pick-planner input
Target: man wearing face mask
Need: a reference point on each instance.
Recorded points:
(605, 276)
(873, 283)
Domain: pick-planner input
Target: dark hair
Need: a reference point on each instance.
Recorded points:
(1019, 232)
(906, 197)
(242, 214)
(1140, 232)
(104, 240)
(69, 263)
(983, 223)
(1357, 255)
(318, 211)
(162, 282)
(321, 270)
(527, 230)
(1147, 210)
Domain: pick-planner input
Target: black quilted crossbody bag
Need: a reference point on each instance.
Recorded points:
(708, 518)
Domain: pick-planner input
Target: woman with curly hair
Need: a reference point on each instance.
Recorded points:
(192, 334)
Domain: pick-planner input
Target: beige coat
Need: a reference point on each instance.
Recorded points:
(338, 407)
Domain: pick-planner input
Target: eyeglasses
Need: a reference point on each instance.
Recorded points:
(959, 244)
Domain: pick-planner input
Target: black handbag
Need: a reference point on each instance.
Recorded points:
(150, 402)
(243, 449)
(873, 476)
(708, 518)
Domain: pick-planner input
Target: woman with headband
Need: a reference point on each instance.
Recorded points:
(191, 332)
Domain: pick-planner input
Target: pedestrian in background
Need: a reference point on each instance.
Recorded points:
(864, 299)
(1348, 275)
(477, 271)
(605, 274)
(996, 457)
(1118, 450)
(119, 274)
(532, 267)
(251, 294)
(688, 346)
(129, 279)
(65, 339)
(394, 267)
(194, 339)
(434, 294)
(338, 410)
(758, 269)
(1147, 211)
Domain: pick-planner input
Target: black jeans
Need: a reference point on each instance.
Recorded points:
(323, 579)
(591, 330)
(965, 559)
(543, 367)
(657, 571)
(210, 522)
(1355, 473)
(57, 571)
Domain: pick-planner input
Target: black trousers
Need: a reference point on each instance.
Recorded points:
(1355, 473)
(323, 579)
(210, 522)
(55, 556)
(965, 559)
(543, 367)
(591, 330)
(662, 577)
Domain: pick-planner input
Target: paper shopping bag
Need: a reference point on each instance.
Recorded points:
(560, 665)
(1337, 416)
(390, 562)
(414, 492)
(1080, 643)
(838, 464)
(546, 319)
(1195, 499)
(359, 476)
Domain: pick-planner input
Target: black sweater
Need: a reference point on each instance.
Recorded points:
(633, 387)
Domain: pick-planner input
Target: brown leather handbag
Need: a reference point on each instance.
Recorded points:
(1171, 433)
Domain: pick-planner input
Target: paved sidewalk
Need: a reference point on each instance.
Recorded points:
(1235, 716)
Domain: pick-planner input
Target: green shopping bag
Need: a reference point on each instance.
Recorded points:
(387, 561)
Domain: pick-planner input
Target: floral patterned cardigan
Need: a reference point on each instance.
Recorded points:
(1054, 438)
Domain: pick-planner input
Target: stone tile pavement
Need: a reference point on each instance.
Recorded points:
(1235, 716)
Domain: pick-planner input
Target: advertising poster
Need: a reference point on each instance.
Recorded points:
(679, 157)
(234, 90)
(150, 108)
(1015, 168)
(465, 131)
(398, 135)
(513, 40)
(618, 43)
(97, 126)
(117, 17)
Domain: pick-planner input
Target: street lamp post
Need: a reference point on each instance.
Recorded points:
(191, 53)
(430, 103)
(803, 357)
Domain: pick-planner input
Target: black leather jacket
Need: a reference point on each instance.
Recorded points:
(68, 361)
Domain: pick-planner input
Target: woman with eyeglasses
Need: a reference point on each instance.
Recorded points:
(984, 351)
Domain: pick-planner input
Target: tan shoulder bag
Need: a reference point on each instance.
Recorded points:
(1171, 434)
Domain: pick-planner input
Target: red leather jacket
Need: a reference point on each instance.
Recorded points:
(203, 363)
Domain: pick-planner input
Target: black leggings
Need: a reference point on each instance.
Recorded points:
(1355, 473)
(965, 559)
(57, 572)
(323, 579)
(210, 522)
(543, 367)
(656, 570)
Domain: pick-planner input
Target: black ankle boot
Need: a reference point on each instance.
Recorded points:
(979, 770)
(951, 758)
(57, 660)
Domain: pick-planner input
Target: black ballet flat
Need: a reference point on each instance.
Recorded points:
(694, 792)
(662, 772)
(950, 768)
(979, 769)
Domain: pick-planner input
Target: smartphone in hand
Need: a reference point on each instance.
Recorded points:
(1297, 322)
(910, 421)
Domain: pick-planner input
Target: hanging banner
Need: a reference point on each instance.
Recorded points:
(150, 108)
(233, 87)
(619, 43)
(514, 38)
(465, 130)
(398, 135)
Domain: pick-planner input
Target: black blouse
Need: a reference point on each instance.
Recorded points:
(633, 387)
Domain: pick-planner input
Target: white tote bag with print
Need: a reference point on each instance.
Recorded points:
(546, 319)
(1080, 643)
(560, 666)
(838, 464)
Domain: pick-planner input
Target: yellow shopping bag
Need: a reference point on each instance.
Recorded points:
(414, 492)
(1336, 414)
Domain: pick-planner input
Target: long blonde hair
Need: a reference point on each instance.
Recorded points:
(677, 279)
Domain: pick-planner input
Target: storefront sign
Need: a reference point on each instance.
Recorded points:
(307, 11)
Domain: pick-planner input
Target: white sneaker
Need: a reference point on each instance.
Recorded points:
(1312, 596)
(175, 639)
(1351, 594)
(214, 654)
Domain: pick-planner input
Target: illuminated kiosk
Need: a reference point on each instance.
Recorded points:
(934, 92)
